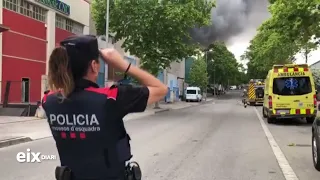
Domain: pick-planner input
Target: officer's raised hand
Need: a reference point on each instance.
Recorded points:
(157, 90)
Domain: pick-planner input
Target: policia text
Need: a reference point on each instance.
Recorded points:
(74, 122)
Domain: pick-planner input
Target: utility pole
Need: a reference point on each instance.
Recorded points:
(228, 84)
(214, 71)
(214, 77)
(107, 43)
(107, 22)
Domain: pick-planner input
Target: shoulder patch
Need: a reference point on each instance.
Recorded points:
(110, 93)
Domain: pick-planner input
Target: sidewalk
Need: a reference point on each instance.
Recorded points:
(14, 130)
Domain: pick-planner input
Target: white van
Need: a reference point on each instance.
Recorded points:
(233, 87)
(193, 94)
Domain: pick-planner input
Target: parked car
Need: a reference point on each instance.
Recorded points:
(316, 142)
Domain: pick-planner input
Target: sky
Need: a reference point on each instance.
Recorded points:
(241, 42)
(235, 22)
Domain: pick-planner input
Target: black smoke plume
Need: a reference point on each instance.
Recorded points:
(229, 18)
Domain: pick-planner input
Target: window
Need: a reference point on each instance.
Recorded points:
(68, 25)
(11, 5)
(77, 28)
(26, 8)
(259, 91)
(25, 88)
(60, 22)
(191, 91)
(292, 86)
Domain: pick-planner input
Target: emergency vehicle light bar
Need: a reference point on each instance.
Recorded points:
(290, 65)
(295, 67)
(258, 83)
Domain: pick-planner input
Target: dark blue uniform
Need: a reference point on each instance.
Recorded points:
(88, 128)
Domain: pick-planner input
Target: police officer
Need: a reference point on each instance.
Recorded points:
(85, 120)
(244, 93)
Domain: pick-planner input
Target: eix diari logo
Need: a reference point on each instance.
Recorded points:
(33, 157)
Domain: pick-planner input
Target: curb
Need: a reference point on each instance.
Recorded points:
(22, 121)
(150, 114)
(162, 110)
(208, 101)
(14, 141)
(171, 109)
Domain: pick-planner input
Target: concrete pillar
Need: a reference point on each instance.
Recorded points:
(44, 84)
(51, 44)
(86, 30)
(1, 22)
(51, 36)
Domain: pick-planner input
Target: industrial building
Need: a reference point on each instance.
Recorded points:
(315, 65)
(32, 28)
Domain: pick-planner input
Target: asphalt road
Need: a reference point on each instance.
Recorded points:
(294, 138)
(214, 141)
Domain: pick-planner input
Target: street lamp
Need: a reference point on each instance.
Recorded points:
(206, 90)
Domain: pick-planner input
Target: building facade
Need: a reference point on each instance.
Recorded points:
(174, 78)
(35, 28)
(315, 65)
(103, 74)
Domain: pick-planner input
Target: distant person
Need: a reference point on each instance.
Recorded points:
(244, 93)
(47, 92)
(44, 94)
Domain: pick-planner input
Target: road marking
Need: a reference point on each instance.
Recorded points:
(282, 161)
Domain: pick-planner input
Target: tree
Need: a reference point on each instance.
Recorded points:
(291, 29)
(306, 50)
(155, 32)
(241, 76)
(222, 65)
(267, 49)
(298, 19)
(198, 74)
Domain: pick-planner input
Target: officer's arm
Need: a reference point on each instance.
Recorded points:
(132, 98)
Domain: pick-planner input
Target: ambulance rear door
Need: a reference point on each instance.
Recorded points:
(293, 94)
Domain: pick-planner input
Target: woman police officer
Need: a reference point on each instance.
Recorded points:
(85, 120)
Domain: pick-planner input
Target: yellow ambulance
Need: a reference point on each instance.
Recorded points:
(289, 93)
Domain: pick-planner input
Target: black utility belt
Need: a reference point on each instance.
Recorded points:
(133, 171)
(63, 173)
